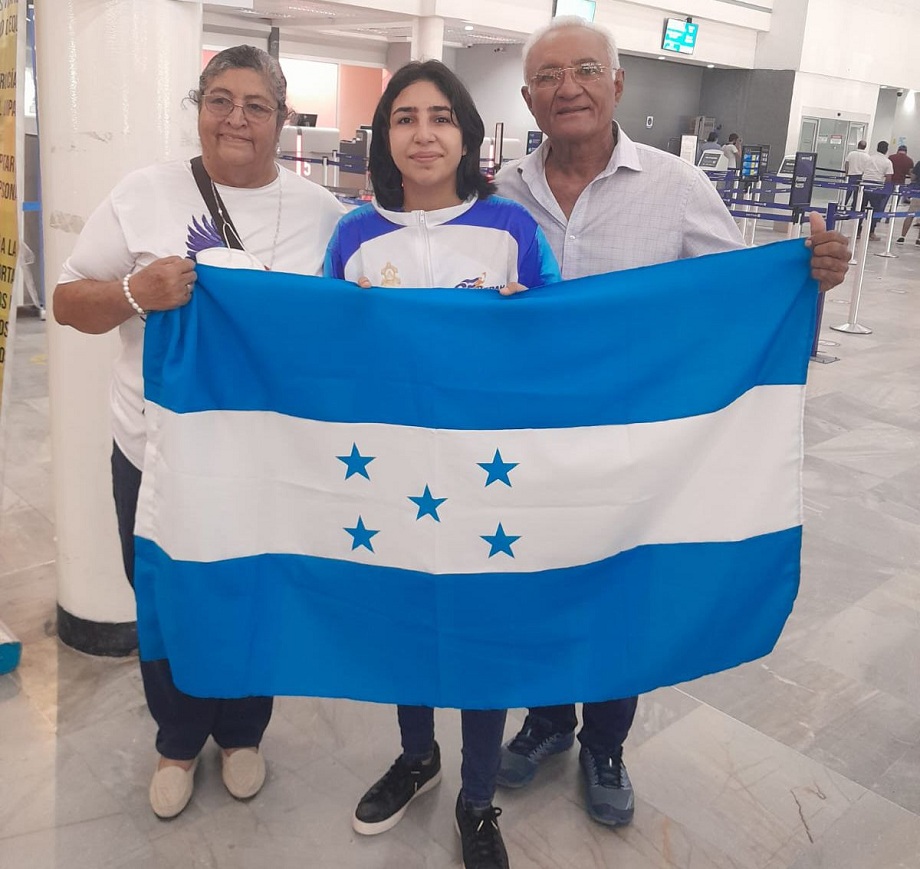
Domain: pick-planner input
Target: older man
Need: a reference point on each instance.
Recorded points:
(607, 203)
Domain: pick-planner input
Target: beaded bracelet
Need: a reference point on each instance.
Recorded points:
(127, 291)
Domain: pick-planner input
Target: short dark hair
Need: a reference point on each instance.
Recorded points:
(882, 147)
(713, 137)
(732, 137)
(386, 179)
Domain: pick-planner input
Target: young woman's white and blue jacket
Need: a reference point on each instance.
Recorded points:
(481, 243)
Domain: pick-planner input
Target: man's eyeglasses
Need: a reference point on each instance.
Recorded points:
(254, 112)
(583, 73)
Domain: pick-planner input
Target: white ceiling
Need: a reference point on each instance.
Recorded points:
(306, 19)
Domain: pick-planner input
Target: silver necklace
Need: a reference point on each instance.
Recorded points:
(228, 227)
(277, 222)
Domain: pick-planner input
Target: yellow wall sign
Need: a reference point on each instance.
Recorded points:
(9, 201)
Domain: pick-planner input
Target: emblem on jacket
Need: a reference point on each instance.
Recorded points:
(472, 283)
(389, 275)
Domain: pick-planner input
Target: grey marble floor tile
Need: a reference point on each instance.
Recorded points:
(31, 483)
(888, 539)
(46, 786)
(904, 489)
(873, 649)
(745, 794)
(876, 448)
(26, 540)
(900, 783)
(657, 711)
(104, 843)
(898, 598)
(28, 601)
(74, 689)
(850, 727)
(873, 834)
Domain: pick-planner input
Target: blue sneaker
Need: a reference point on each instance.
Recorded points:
(535, 742)
(609, 797)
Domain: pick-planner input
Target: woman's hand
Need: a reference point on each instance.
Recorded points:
(163, 285)
(364, 283)
(512, 288)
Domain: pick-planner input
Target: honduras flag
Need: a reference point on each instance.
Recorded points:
(452, 498)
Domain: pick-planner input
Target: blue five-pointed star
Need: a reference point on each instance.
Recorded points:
(361, 536)
(497, 469)
(356, 463)
(427, 505)
(500, 542)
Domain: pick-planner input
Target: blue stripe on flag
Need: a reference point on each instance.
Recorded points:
(282, 624)
(655, 343)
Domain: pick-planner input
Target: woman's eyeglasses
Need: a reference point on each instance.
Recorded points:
(254, 112)
(583, 73)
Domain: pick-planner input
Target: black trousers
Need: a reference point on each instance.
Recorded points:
(184, 722)
(605, 725)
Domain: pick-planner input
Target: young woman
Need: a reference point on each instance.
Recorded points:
(434, 223)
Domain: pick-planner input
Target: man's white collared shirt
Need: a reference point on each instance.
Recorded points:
(645, 207)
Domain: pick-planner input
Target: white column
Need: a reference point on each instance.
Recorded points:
(428, 38)
(112, 75)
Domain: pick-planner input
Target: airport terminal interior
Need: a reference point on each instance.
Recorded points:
(807, 758)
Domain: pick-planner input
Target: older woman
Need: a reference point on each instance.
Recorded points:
(136, 254)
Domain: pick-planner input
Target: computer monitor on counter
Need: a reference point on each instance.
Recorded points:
(304, 119)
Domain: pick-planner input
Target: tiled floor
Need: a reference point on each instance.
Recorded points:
(808, 758)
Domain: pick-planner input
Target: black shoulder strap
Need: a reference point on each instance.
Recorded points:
(215, 205)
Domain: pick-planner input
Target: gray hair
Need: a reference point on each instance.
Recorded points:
(571, 21)
(245, 57)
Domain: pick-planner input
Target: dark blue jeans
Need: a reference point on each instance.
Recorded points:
(605, 726)
(878, 201)
(482, 744)
(184, 722)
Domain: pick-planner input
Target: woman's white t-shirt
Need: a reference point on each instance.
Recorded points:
(158, 212)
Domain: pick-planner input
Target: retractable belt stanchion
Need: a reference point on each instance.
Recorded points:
(854, 236)
(852, 325)
(892, 218)
(816, 355)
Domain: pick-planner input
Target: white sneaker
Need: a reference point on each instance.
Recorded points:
(171, 789)
(243, 772)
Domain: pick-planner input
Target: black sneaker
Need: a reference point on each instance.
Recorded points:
(900, 240)
(480, 838)
(383, 806)
(609, 795)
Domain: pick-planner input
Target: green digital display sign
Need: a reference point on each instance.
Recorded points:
(679, 35)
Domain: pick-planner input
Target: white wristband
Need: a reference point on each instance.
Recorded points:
(127, 291)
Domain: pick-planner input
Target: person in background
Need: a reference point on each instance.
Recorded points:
(435, 223)
(136, 254)
(607, 203)
(711, 144)
(732, 150)
(853, 165)
(878, 172)
(902, 165)
(913, 203)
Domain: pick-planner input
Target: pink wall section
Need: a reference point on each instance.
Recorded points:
(313, 87)
(359, 91)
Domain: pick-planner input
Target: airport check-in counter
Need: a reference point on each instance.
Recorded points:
(309, 146)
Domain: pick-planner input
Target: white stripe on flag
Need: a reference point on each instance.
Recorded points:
(251, 483)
